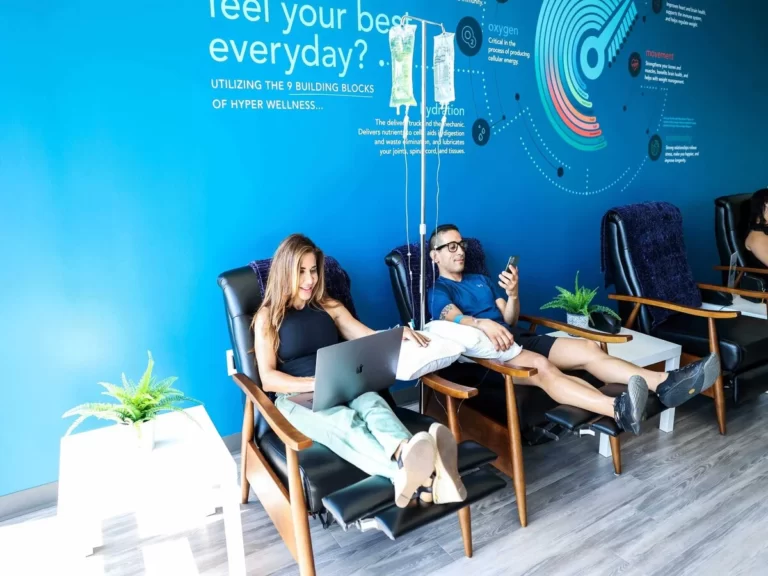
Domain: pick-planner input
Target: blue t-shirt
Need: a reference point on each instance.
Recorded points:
(474, 296)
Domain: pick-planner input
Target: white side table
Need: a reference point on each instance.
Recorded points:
(642, 350)
(102, 474)
(746, 307)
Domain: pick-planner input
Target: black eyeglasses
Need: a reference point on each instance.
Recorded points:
(453, 246)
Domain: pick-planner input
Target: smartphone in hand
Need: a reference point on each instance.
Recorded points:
(513, 260)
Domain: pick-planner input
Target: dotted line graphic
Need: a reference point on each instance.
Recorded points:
(586, 192)
(536, 130)
(663, 107)
(586, 186)
(635, 174)
(482, 21)
(487, 102)
(508, 122)
(470, 71)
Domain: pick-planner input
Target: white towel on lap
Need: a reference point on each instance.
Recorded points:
(474, 340)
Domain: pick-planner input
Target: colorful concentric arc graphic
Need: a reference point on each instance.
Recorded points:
(575, 41)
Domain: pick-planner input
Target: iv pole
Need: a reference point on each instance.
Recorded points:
(423, 223)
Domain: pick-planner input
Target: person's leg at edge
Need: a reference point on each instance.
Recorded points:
(673, 388)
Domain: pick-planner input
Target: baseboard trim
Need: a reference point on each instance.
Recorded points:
(26, 501)
(34, 499)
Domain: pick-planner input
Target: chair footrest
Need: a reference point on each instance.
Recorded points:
(570, 417)
(396, 522)
(367, 497)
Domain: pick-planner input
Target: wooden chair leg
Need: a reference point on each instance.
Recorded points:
(246, 438)
(714, 347)
(306, 558)
(616, 453)
(465, 517)
(516, 447)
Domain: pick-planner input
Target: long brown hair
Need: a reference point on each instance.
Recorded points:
(283, 282)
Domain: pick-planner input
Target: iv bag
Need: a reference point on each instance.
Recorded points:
(442, 60)
(401, 44)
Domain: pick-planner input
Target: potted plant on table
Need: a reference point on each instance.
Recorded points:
(578, 305)
(137, 405)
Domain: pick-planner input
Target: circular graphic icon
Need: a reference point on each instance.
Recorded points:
(635, 64)
(469, 36)
(576, 42)
(657, 5)
(654, 147)
(481, 132)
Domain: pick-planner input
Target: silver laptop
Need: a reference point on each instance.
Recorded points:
(346, 370)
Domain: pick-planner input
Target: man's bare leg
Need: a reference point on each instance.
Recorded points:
(561, 388)
(576, 354)
(674, 388)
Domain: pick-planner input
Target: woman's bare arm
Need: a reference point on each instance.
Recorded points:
(348, 325)
(272, 379)
(757, 243)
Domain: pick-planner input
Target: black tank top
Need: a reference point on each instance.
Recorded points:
(302, 334)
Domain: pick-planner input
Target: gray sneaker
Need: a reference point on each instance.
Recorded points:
(629, 408)
(685, 383)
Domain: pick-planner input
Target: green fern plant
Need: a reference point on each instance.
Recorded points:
(578, 302)
(136, 403)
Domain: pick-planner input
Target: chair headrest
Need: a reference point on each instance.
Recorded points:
(653, 232)
(734, 201)
(474, 263)
(337, 282)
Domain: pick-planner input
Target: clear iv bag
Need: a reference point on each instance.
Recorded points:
(443, 60)
(401, 44)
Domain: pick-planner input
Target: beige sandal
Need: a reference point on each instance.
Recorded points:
(417, 464)
(447, 486)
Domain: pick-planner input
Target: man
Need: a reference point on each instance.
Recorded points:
(470, 300)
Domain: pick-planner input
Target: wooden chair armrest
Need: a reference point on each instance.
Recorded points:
(714, 314)
(742, 269)
(575, 331)
(501, 368)
(439, 384)
(737, 291)
(292, 438)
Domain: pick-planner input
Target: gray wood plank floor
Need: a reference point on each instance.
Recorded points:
(690, 502)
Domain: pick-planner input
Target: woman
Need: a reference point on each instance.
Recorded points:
(757, 239)
(295, 320)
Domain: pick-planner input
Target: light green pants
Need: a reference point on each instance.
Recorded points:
(366, 433)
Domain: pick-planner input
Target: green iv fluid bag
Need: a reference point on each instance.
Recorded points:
(443, 65)
(401, 43)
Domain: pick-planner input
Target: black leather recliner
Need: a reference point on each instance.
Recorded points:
(732, 215)
(294, 477)
(489, 414)
(741, 341)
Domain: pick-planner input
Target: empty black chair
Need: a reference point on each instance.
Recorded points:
(645, 258)
(295, 478)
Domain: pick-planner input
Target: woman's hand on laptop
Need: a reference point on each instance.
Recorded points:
(419, 339)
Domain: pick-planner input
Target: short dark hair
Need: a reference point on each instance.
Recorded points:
(759, 200)
(439, 230)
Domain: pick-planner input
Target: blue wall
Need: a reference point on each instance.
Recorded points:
(124, 191)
